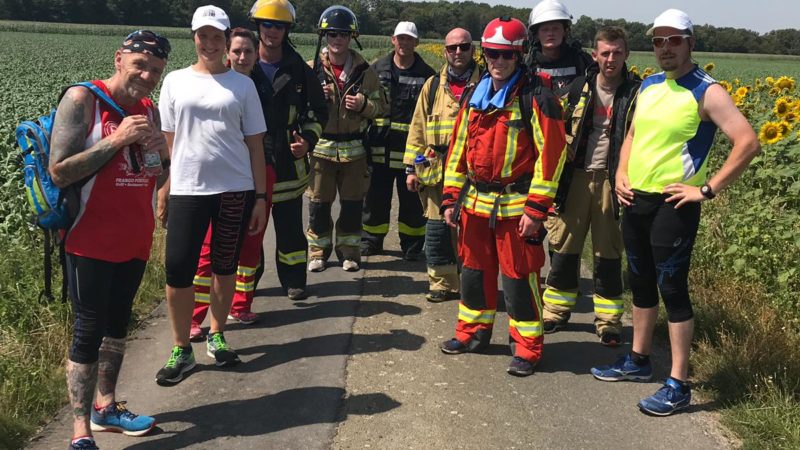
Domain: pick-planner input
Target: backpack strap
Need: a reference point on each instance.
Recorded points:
(102, 96)
(432, 92)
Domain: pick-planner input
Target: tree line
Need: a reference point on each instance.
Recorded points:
(378, 17)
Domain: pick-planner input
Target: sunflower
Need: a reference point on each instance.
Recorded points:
(769, 133)
(648, 71)
(737, 99)
(758, 83)
(785, 127)
(769, 81)
(785, 83)
(709, 67)
(775, 91)
(790, 117)
(726, 85)
(741, 91)
(782, 106)
(634, 70)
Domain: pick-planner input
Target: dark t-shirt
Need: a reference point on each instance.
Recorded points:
(270, 69)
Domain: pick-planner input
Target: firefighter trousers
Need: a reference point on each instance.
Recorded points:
(485, 252)
(441, 244)
(351, 181)
(249, 262)
(378, 206)
(589, 206)
(291, 246)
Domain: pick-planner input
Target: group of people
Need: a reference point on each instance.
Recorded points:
(545, 143)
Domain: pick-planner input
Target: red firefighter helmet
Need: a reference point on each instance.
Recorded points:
(505, 33)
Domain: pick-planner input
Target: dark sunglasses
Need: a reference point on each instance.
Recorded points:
(674, 40)
(277, 25)
(491, 53)
(151, 38)
(333, 34)
(463, 47)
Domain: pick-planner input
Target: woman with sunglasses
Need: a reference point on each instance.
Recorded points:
(215, 127)
(502, 173)
(339, 160)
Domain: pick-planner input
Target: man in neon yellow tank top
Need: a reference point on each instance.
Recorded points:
(661, 179)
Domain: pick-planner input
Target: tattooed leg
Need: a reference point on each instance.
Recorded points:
(108, 367)
(81, 381)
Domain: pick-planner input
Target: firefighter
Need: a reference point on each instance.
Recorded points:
(402, 73)
(339, 160)
(550, 53)
(506, 155)
(601, 105)
(428, 138)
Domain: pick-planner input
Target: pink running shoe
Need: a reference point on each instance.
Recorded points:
(245, 318)
(196, 334)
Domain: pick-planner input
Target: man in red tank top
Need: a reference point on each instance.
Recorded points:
(116, 162)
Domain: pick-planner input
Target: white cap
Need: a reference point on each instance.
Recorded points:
(406, 28)
(212, 16)
(672, 18)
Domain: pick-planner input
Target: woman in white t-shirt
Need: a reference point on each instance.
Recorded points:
(214, 125)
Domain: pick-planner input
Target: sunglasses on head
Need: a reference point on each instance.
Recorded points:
(277, 25)
(333, 34)
(674, 40)
(463, 47)
(491, 53)
(150, 37)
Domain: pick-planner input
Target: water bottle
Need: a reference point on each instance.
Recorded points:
(421, 160)
(151, 160)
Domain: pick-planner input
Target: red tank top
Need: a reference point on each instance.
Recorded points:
(116, 218)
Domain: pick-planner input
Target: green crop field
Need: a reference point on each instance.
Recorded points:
(747, 257)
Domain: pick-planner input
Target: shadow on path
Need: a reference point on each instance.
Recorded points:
(264, 415)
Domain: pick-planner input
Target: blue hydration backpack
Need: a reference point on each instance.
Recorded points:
(50, 210)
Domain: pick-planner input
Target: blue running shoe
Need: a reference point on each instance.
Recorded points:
(83, 444)
(115, 417)
(623, 369)
(666, 400)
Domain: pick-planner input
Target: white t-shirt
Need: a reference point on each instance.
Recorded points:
(210, 116)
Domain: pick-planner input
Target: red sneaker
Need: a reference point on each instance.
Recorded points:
(245, 317)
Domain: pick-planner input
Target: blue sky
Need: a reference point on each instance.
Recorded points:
(756, 15)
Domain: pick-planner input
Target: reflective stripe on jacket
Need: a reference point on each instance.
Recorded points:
(343, 122)
(434, 131)
(495, 147)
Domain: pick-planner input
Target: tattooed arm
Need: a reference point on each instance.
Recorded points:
(70, 161)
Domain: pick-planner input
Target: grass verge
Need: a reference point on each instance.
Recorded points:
(35, 338)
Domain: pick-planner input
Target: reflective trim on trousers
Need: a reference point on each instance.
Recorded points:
(556, 297)
(529, 329)
(607, 305)
(376, 229)
(475, 316)
(293, 258)
(408, 230)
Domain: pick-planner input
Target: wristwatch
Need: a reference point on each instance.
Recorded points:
(410, 170)
(707, 191)
(262, 196)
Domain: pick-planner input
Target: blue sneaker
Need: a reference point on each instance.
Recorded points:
(83, 444)
(666, 400)
(623, 369)
(115, 417)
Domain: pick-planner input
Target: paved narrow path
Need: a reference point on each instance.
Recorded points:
(357, 365)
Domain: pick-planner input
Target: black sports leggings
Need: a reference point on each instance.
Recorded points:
(187, 225)
(102, 293)
(658, 242)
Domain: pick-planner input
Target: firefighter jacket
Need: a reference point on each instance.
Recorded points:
(432, 126)
(506, 169)
(343, 135)
(572, 63)
(388, 133)
(292, 102)
(580, 113)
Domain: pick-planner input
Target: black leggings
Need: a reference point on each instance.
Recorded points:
(658, 242)
(102, 294)
(187, 225)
